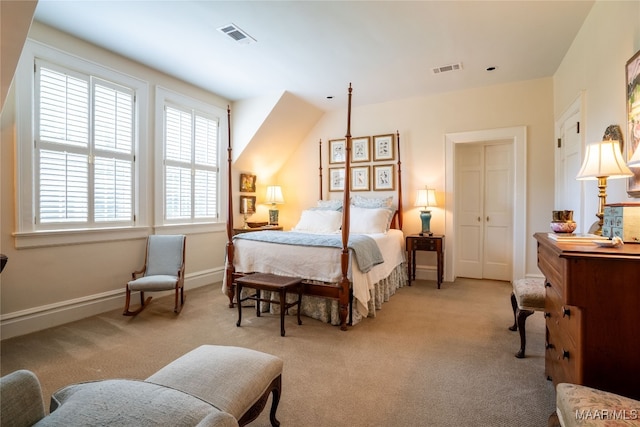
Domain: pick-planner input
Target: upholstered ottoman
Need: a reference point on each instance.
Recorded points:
(527, 296)
(579, 405)
(235, 380)
(125, 402)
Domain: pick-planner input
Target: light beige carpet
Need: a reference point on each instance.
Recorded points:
(430, 358)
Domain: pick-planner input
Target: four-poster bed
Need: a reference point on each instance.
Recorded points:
(348, 261)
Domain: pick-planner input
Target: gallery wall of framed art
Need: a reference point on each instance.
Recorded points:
(369, 163)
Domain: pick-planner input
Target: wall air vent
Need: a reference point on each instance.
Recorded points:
(237, 34)
(446, 68)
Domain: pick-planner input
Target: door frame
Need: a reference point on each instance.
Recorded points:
(517, 136)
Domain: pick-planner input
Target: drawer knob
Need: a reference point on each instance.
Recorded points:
(547, 284)
(565, 354)
(566, 312)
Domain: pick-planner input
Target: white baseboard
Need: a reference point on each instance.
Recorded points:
(43, 317)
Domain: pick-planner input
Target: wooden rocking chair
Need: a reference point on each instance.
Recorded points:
(163, 270)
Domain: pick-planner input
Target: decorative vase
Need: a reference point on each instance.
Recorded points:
(563, 222)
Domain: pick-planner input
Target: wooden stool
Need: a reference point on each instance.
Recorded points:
(527, 297)
(272, 283)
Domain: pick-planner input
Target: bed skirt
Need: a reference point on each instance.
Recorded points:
(327, 310)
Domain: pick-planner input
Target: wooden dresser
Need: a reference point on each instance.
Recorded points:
(592, 310)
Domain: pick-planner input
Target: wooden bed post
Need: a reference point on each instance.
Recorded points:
(399, 183)
(320, 168)
(344, 258)
(230, 252)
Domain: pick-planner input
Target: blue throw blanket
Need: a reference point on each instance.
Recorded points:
(364, 248)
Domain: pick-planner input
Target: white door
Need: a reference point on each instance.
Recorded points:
(484, 203)
(568, 162)
(469, 193)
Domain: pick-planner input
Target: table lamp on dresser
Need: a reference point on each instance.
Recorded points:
(602, 161)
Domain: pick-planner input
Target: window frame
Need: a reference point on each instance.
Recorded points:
(166, 97)
(28, 233)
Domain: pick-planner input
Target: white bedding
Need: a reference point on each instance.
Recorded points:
(320, 263)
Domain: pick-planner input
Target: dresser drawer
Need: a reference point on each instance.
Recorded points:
(564, 317)
(552, 266)
(426, 244)
(562, 357)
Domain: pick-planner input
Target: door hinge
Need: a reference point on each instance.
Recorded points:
(577, 127)
(559, 142)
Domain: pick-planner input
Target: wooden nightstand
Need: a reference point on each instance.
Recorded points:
(414, 243)
(249, 230)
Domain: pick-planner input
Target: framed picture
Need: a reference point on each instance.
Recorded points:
(360, 178)
(383, 147)
(633, 117)
(248, 205)
(383, 177)
(360, 149)
(337, 150)
(336, 179)
(247, 183)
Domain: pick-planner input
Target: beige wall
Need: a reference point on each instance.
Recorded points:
(423, 123)
(595, 64)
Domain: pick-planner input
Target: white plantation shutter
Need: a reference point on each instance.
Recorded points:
(85, 136)
(113, 144)
(113, 195)
(190, 163)
(64, 108)
(63, 187)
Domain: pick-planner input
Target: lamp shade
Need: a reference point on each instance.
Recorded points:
(634, 162)
(426, 198)
(274, 195)
(603, 159)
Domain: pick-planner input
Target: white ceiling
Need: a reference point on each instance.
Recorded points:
(314, 49)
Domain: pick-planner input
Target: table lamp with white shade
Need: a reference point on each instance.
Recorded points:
(274, 196)
(603, 161)
(426, 199)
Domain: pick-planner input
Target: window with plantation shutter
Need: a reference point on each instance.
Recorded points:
(190, 165)
(84, 150)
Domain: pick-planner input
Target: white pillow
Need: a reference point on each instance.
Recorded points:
(319, 221)
(368, 220)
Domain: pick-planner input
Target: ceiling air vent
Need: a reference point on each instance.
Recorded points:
(237, 34)
(446, 68)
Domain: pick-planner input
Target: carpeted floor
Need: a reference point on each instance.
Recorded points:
(430, 358)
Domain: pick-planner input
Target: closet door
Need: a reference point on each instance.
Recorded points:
(469, 192)
(484, 200)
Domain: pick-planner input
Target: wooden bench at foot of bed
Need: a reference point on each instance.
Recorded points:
(270, 283)
(337, 292)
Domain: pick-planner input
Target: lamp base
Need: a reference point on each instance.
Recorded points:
(425, 217)
(273, 217)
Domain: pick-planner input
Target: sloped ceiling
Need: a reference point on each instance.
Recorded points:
(15, 20)
(265, 133)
